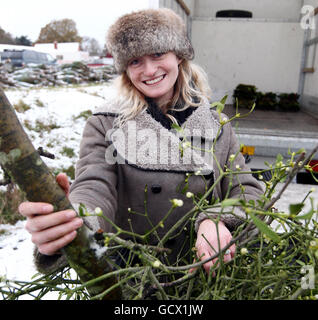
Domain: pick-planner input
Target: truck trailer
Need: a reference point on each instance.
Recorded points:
(270, 45)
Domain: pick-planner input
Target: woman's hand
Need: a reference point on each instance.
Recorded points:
(208, 244)
(50, 230)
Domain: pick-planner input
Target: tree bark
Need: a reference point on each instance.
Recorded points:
(23, 163)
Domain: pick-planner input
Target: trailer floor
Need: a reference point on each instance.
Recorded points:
(290, 124)
(273, 132)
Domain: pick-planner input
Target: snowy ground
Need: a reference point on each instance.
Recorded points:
(53, 106)
(59, 106)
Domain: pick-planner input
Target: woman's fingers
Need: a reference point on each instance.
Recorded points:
(56, 232)
(29, 209)
(212, 238)
(45, 221)
(204, 253)
(50, 248)
(50, 230)
(208, 265)
(51, 240)
(232, 250)
(62, 180)
(227, 257)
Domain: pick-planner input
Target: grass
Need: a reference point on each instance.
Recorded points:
(85, 115)
(70, 171)
(39, 103)
(40, 126)
(4, 232)
(69, 152)
(21, 106)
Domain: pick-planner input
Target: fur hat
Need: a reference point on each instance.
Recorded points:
(147, 32)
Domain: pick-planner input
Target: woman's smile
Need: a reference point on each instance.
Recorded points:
(154, 80)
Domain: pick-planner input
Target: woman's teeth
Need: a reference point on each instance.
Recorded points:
(154, 80)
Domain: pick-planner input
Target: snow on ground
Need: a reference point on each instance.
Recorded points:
(56, 108)
(16, 252)
(60, 106)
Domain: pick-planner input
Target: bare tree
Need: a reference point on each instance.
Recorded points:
(92, 46)
(5, 37)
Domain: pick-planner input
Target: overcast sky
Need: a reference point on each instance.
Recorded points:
(92, 17)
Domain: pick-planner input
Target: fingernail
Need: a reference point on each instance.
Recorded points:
(71, 214)
(47, 208)
(78, 222)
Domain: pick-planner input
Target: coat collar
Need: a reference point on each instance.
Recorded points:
(144, 143)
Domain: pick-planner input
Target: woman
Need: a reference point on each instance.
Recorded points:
(131, 164)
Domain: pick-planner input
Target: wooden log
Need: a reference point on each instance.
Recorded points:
(23, 163)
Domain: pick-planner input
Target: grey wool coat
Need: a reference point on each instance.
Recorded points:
(134, 172)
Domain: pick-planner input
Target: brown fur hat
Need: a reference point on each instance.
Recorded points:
(147, 32)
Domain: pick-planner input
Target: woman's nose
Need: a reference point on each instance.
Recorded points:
(149, 68)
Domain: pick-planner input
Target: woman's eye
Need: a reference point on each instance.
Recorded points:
(134, 62)
(158, 54)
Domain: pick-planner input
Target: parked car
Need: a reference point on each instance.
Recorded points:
(20, 58)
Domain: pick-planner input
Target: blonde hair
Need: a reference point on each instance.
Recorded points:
(191, 89)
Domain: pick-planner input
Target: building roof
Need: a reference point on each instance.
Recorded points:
(65, 46)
